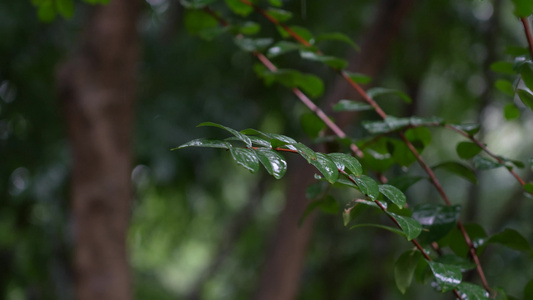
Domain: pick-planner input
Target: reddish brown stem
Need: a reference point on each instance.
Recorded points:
(529, 36)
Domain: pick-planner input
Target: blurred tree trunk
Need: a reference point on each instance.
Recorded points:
(281, 274)
(96, 87)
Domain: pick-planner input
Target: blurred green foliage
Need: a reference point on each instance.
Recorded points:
(186, 203)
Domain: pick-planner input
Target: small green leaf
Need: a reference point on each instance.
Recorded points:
(246, 158)
(311, 84)
(326, 166)
(526, 97)
(282, 47)
(470, 291)
(65, 8)
(249, 28)
(280, 15)
(259, 141)
(503, 67)
(446, 276)
(511, 239)
(404, 269)
(528, 187)
(368, 186)
(393, 123)
(251, 44)
(334, 62)
(467, 150)
(347, 161)
(311, 124)
(528, 290)
(458, 169)
(516, 51)
(348, 105)
(378, 91)
(451, 259)
(527, 75)
(273, 162)
(239, 8)
(393, 230)
(456, 242)
(511, 112)
(409, 226)
(237, 134)
(46, 11)
(358, 77)
(471, 129)
(393, 194)
(523, 8)
(482, 163)
(305, 152)
(276, 3)
(421, 134)
(437, 220)
(208, 143)
(337, 36)
(197, 21)
(505, 86)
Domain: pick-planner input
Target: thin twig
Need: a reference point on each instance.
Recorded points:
(527, 32)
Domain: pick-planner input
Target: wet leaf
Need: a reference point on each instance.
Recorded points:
(237, 134)
(378, 91)
(450, 259)
(469, 291)
(512, 239)
(392, 193)
(273, 162)
(526, 97)
(281, 48)
(437, 220)
(326, 166)
(246, 158)
(334, 62)
(337, 36)
(305, 152)
(409, 226)
(346, 161)
(208, 143)
(505, 86)
(482, 163)
(367, 186)
(446, 276)
(358, 77)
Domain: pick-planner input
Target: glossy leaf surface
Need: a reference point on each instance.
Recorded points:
(237, 134)
(409, 226)
(246, 158)
(437, 220)
(469, 291)
(345, 161)
(326, 166)
(458, 169)
(208, 143)
(273, 162)
(368, 186)
(446, 276)
(394, 194)
(404, 269)
(348, 105)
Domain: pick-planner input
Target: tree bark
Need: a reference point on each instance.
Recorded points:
(97, 90)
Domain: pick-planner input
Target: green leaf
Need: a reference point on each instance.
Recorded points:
(467, 150)
(305, 152)
(503, 67)
(421, 134)
(401, 154)
(276, 3)
(393, 123)
(470, 291)
(246, 158)
(326, 166)
(65, 8)
(378, 91)
(348, 105)
(368, 186)
(482, 163)
(392, 193)
(334, 62)
(409, 226)
(302, 32)
(511, 239)
(505, 86)
(393, 230)
(404, 269)
(196, 4)
(451, 259)
(259, 141)
(249, 28)
(276, 140)
(471, 129)
(311, 84)
(528, 187)
(46, 11)
(528, 290)
(237, 134)
(458, 169)
(437, 220)
(239, 7)
(511, 112)
(456, 241)
(251, 44)
(273, 162)
(526, 97)
(346, 161)
(377, 155)
(337, 36)
(523, 8)
(200, 23)
(358, 77)
(282, 47)
(208, 143)
(516, 51)
(280, 15)
(446, 276)
(527, 75)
